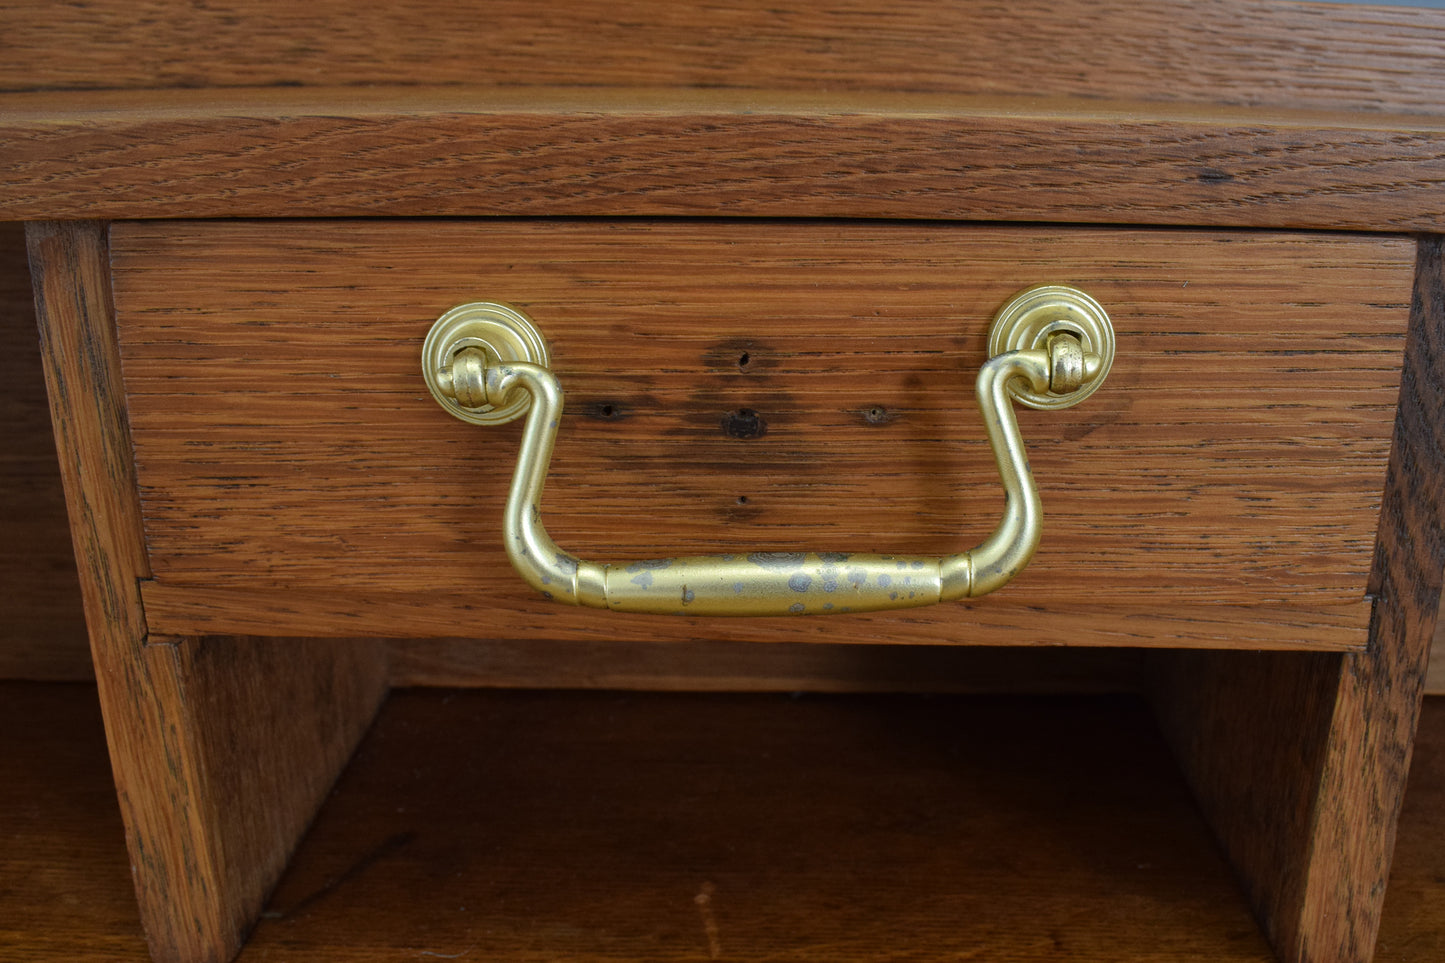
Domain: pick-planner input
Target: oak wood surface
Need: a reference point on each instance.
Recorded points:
(1233, 112)
(267, 730)
(1300, 763)
(1373, 729)
(1249, 732)
(972, 154)
(72, 293)
(221, 752)
(1222, 113)
(652, 827)
(1235, 52)
(42, 631)
(706, 666)
(294, 471)
(660, 151)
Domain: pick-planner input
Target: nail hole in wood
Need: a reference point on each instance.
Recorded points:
(877, 415)
(606, 411)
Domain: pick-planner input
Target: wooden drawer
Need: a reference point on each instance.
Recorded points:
(764, 386)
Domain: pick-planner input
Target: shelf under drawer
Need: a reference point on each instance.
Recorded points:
(511, 826)
(56, 786)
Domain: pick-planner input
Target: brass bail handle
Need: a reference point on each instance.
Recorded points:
(1050, 347)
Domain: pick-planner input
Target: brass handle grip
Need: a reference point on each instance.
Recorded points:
(1074, 352)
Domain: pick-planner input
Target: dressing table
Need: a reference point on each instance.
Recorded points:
(762, 245)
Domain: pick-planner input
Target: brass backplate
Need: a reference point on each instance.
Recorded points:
(503, 333)
(1033, 315)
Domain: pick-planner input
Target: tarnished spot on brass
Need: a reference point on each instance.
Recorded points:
(1033, 318)
(777, 560)
(466, 341)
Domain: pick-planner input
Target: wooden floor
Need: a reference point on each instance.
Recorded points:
(516, 826)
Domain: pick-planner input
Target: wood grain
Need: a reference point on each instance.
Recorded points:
(72, 293)
(201, 610)
(658, 151)
(266, 730)
(1220, 490)
(1221, 113)
(1250, 731)
(211, 810)
(42, 630)
(1300, 763)
(1236, 52)
(708, 666)
(652, 827)
(1380, 690)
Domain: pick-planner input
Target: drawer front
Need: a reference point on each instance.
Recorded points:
(758, 386)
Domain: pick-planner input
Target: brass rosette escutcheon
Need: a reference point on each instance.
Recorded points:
(463, 344)
(1035, 316)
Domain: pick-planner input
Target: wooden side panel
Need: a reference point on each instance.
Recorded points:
(42, 628)
(1300, 762)
(1220, 51)
(768, 386)
(1250, 731)
(220, 755)
(1379, 702)
(266, 730)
